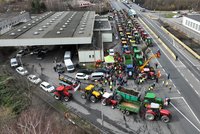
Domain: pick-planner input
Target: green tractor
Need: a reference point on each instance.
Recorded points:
(149, 41)
(151, 98)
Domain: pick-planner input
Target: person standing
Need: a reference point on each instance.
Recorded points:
(156, 65)
(168, 76)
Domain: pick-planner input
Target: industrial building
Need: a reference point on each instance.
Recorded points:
(81, 29)
(8, 20)
(192, 22)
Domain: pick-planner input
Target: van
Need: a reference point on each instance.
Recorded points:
(67, 55)
(13, 62)
(96, 76)
(69, 65)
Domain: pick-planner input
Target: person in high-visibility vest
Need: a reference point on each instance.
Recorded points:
(159, 74)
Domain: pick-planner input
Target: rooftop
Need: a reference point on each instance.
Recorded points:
(53, 28)
(6, 16)
(194, 17)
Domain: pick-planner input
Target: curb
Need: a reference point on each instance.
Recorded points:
(166, 47)
(181, 43)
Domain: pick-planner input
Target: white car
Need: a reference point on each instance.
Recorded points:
(34, 79)
(21, 70)
(13, 62)
(111, 52)
(47, 87)
(82, 76)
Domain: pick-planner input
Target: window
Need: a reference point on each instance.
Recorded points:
(190, 24)
(186, 22)
(89, 56)
(196, 26)
(199, 27)
(193, 25)
(92, 56)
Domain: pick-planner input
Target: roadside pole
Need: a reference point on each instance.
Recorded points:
(101, 116)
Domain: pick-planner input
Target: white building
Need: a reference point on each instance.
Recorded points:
(192, 22)
(8, 20)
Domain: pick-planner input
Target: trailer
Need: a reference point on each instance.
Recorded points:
(129, 107)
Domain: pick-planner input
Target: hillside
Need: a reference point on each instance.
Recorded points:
(170, 4)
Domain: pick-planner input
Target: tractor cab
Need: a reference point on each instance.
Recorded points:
(151, 98)
(92, 93)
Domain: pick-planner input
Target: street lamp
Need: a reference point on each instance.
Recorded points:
(101, 116)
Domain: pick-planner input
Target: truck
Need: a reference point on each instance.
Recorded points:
(132, 12)
(68, 62)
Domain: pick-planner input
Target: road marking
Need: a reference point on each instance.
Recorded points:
(191, 110)
(196, 92)
(185, 117)
(192, 86)
(186, 79)
(178, 91)
(174, 98)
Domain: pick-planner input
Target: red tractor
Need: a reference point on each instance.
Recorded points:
(108, 99)
(62, 93)
(154, 111)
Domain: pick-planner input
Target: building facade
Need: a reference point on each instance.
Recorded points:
(7, 21)
(192, 22)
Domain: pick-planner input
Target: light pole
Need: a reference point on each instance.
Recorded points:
(101, 115)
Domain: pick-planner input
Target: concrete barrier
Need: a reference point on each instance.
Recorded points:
(166, 47)
(181, 43)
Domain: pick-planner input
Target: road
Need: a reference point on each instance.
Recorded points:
(181, 71)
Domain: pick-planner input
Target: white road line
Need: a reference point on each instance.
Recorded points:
(185, 117)
(170, 80)
(174, 98)
(186, 80)
(196, 92)
(191, 110)
(191, 85)
(178, 91)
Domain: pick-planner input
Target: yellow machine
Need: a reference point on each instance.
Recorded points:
(157, 55)
(91, 94)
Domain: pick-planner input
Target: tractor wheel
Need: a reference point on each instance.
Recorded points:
(165, 119)
(149, 116)
(104, 102)
(83, 96)
(127, 113)
(118, 98)
(93, 99)
(56, 97)
(66, 98)
(113, 107)
(123, 111)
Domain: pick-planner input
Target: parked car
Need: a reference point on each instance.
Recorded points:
(111, 52)
(21, 70)
(13, 62)
(59, 68)
(82, 76)
(34, 79)
(22, 52)
(47, 87)
(96, 76)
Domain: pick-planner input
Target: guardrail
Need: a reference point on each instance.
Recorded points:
(166, 47)
(181, 43)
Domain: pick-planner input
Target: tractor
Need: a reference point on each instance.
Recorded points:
(154, 111)
(108, 99)
(91, 94)
(62, 93)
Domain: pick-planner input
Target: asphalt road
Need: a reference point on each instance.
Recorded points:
(184, 87)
